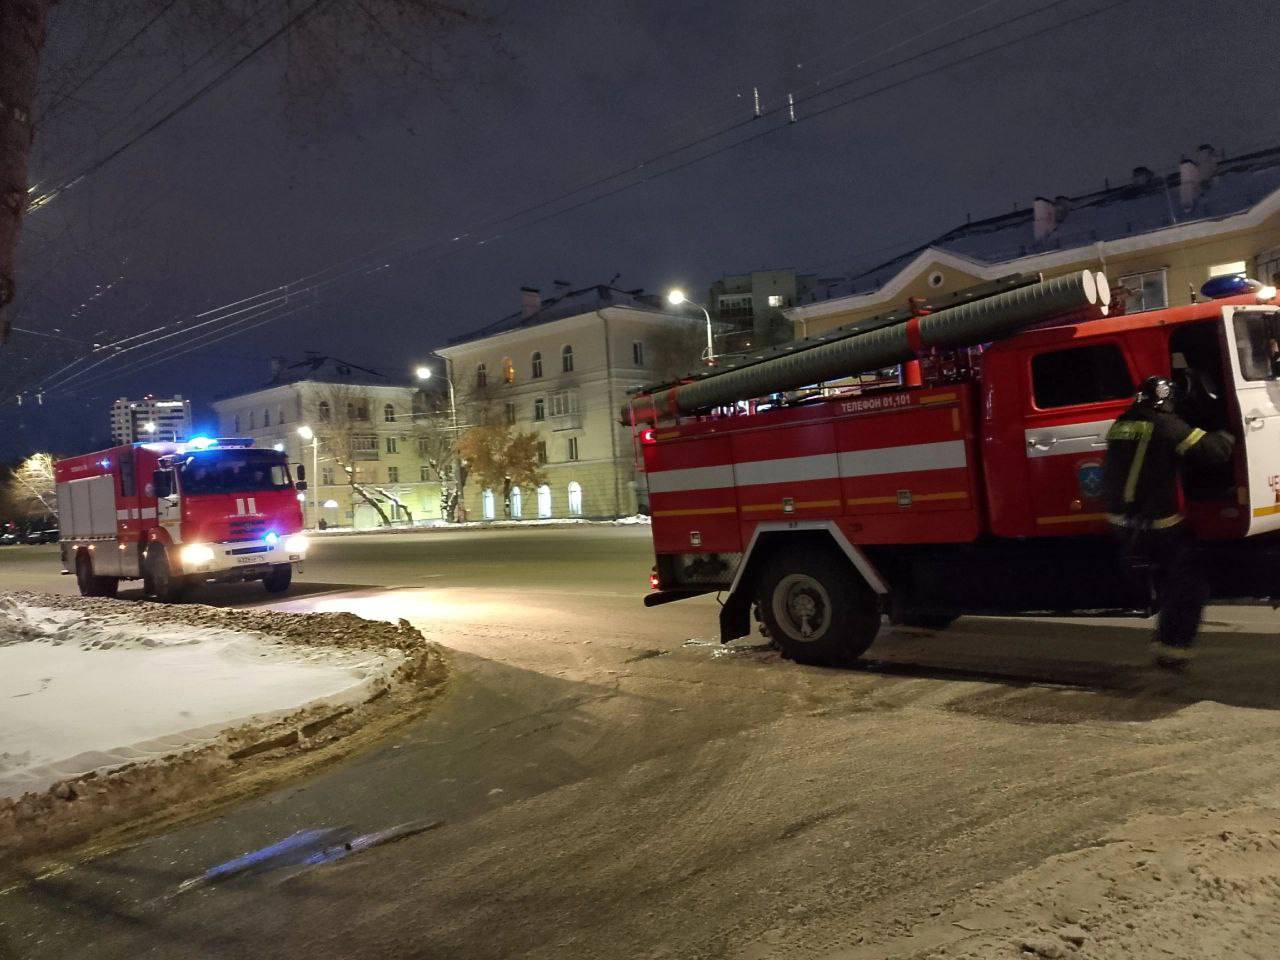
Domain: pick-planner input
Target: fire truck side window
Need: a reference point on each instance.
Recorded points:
(1080, 375)
(1258, 343)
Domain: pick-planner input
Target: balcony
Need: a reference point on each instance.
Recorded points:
(565, 421)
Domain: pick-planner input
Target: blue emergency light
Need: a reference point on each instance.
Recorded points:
(1231, 285)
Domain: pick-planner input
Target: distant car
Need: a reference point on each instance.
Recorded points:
(49, 536)
(8, 539)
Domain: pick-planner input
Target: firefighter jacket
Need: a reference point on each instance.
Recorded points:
(1145, 449)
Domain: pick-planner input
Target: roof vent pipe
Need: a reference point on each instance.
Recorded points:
(1207, 158)
(1188, 184)
(1044, 217)
(1142, 176)
(530, 301)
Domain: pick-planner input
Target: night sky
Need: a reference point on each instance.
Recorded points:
(250, 187)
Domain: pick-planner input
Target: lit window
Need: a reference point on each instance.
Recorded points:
(486, 504)
(573, 448)
(508, 370)
(536, 364)
(517, 507)
(775, 300)
(1235, 268)
(575, 499)
(544, 502)
(1144, 291)
(637, 353)
(566, 359)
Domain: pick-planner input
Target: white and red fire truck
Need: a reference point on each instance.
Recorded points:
(973, 487)
(178, 514)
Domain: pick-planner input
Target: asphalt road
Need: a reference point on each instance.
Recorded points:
(615, 784)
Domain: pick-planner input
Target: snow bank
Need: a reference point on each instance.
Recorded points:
(634, 520)
(82, 691)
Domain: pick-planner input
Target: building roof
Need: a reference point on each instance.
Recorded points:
(1149, 203)
(319, 368)
(566, 303)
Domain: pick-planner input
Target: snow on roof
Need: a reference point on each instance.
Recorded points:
(566, 303)
(1237, 185)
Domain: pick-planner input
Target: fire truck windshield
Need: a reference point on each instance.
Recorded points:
(233, 471)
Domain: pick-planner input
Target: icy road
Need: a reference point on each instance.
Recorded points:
(613, 784)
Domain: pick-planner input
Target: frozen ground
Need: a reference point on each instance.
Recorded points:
(81, 692)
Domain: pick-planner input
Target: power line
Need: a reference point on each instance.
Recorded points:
(101, 162)
(648, 179)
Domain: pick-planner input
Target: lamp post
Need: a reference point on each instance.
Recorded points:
(677, 297)
(307, 434)
(424, 373)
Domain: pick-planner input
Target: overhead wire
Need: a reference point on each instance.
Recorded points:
(367, 267)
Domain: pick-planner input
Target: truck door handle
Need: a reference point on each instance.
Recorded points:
(1041, 443)
(1255, 421)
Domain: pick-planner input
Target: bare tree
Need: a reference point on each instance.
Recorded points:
(437, 439)
(321, 44)
(676, 350)
(31, 488)
(348, 438)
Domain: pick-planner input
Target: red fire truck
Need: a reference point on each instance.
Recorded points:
(971, 488)
(178, 514)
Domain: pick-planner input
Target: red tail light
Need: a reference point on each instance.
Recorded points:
(653, 579)
(646, 436)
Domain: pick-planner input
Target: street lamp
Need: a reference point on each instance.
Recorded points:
(309, 435)
(424, 373)
(677, 297)
(149, 426)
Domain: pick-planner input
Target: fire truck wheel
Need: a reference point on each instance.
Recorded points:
(278, 580)
(160, 581)
(91, 585)
(816, 609)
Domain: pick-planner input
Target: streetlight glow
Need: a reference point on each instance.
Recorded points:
(423, 373)
(149, 426)
(306, 433)
(676, 297)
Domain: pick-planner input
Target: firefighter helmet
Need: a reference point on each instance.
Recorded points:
(1156, 393)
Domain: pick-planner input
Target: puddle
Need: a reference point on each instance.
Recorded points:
(719, 649)
(306, 848)
(646, 655)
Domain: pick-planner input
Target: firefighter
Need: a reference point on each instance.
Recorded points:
(1146, 448)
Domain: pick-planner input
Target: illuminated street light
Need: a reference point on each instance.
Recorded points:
(306, 433)
(424, 373)
(149, 426)
(676, 298)
(309, 435)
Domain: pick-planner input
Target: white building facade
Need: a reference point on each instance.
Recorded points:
(355, 418)
(166, 419)
(562, 369)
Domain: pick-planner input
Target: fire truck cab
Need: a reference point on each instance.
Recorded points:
(178, 515)
(977, 491)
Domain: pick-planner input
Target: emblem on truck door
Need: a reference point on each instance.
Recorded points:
(1089, 477)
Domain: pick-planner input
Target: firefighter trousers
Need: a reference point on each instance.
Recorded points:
(1169, 556)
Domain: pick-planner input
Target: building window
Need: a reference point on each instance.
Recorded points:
(236, 428)
(393, 445)
(544, 502)
(326, 476)
(253, 420)
(775, 300)
(735, 307)
(566, 359)
(389, 413)
(393, 474)
(508, 371)
(539, 409)
(517, 507)
(564, 403)
(266, 418)
(1236, 268)
(486, 504)
(1268, 267)
(1144, 291)
(364, 444)
(536, 364)
(1080, 375)
(323, 412)
(573, 448)
(511, 413)
(482, 377)
(637, 353)
(424, 473)
(280, 415)
(542, 451)
(575, 499)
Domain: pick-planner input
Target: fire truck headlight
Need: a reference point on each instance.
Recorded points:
(196, 555)
(296, 544)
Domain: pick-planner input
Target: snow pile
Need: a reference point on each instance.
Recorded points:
(83, 691)
(633, 520)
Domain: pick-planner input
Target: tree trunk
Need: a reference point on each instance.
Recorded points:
(22, 24)
(364, 495)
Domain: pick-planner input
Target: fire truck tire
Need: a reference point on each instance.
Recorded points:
(159, 578)
(278, 580)
(90, 584)
(816, 609)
